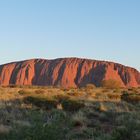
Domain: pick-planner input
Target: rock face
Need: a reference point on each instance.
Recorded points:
(67, 72)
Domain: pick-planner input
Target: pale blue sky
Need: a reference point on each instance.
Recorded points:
(97, 29)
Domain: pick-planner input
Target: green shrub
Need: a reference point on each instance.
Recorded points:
(41, 102)
(72, 105)
(111, 83)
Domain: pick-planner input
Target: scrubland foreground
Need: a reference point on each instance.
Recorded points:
(90, 113)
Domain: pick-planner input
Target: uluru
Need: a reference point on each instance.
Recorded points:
(67, 72)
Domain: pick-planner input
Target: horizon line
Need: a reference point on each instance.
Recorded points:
(69, 57)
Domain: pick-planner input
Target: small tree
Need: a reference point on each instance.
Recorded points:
(111, 83)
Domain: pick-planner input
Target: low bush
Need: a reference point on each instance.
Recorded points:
(24, 92)
(44, 103)
(90, 86)
(117, 90)
(12, 86)
(132, 98)
(113, 96)
(72, 105)
(133, 90)
(39, 91)
(111, 84)
(104, 90)
(61, 98)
